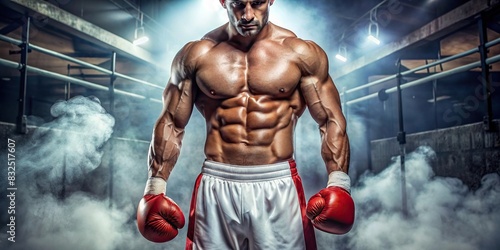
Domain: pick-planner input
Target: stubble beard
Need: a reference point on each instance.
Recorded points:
(249, 33)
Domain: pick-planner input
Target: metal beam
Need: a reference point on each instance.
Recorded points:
(439, 27)
(485, 74)
(21, 121)
(87, 30)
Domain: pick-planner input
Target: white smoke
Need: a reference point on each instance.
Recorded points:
(55, 166)
(74, 138)
(64, 200)
(78, 222)
(443, 212)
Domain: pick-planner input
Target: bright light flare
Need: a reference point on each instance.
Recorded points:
(212, 5)
(141, 40)
(140, 36)
(374, 39)
(341, 58)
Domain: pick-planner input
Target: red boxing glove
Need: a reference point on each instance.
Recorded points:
(331, 210)
(158, 218)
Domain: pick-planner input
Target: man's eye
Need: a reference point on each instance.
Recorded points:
(238, 4)
(241, 5)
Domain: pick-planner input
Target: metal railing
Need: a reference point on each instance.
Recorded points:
(80, 62)
(411, 71)
(81, 82)
(435, 76)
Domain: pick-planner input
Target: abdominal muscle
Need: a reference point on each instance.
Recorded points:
(251, 130)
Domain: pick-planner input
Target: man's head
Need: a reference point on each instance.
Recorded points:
(248, 17)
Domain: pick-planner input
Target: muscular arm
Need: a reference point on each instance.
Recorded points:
(178, 99)
(323, 101)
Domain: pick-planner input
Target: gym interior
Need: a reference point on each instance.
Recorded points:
(79, 98)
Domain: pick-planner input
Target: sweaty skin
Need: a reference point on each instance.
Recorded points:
(251, 80)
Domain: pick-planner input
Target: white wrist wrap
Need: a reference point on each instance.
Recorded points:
(155, 185)
(339, 179)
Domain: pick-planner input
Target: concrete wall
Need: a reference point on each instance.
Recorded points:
(466, 152)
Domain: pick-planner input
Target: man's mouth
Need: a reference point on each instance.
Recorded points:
(248, 26)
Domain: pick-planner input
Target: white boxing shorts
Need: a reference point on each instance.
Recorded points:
(249, 207)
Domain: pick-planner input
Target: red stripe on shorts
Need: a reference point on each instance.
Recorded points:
(308, 228)
(190, 234)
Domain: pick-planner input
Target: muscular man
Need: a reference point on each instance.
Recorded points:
(251, 80)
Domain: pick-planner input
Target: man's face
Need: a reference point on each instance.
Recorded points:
(248, 17)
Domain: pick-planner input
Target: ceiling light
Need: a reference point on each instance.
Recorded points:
(341, 58)
(342, 54)
(373, 39)
(140, 36)
(373, 36)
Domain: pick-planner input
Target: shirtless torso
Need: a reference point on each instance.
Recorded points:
(251, 80)
(251, 98)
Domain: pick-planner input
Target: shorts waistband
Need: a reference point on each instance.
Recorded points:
(249, 172)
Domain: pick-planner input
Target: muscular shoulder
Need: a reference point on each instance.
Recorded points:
(186, 59)
(194, 50)
(311, 56)
(288, 39)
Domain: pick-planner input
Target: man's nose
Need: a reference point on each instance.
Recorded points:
(248, 14)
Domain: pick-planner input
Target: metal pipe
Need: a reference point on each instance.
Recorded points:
(73, 80)
(401, 136)
(435, 90)
(447, 59)
(10, 40)
(77, 132)
(111, 87)
(444, 60)
(74, 60)
(68, 84)
(463, 68)
(139, 81)
(112, 112)
(485, 74)
(492, 43)
(67, 96)
(68, 58)
(130, 140)
(370, 84)
(21, 120)
(89, 75)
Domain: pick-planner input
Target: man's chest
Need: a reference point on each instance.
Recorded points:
(226, 72)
